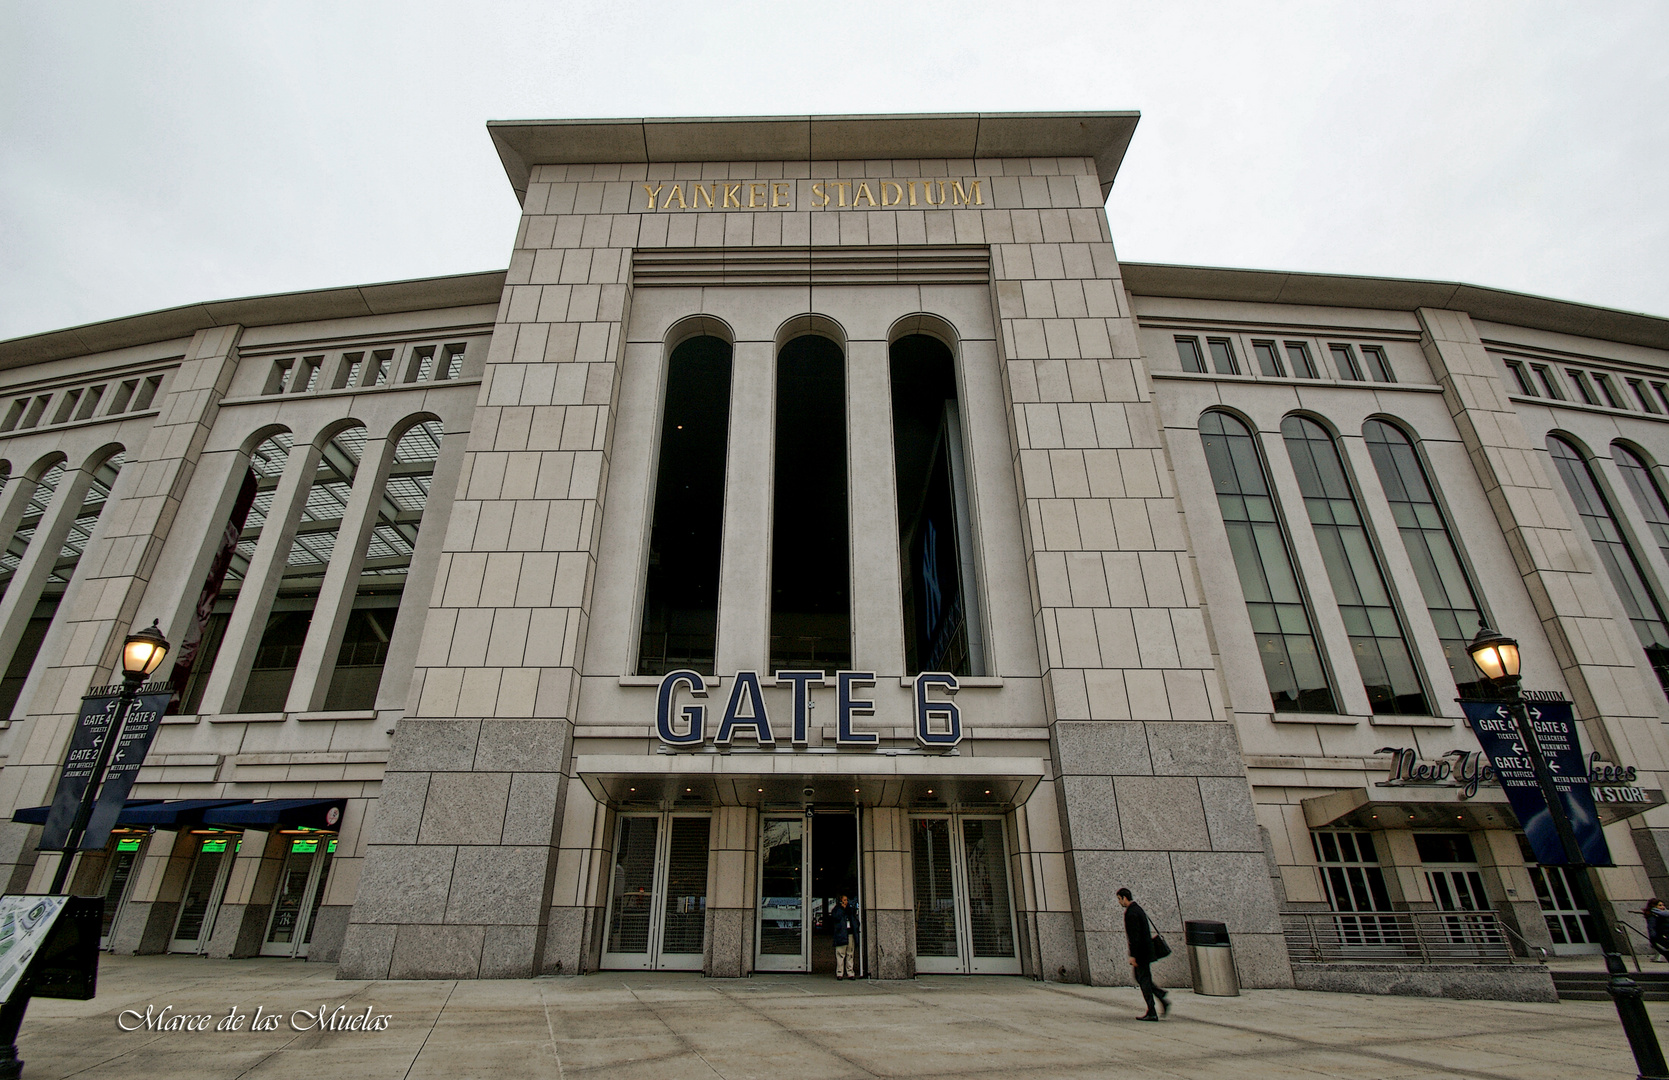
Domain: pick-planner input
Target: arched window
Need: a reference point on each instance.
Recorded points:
(382, 577)
(1280, 617)
(1645, 610)
(811, 610)
(201, 647)
(942, 627)
(58, 578)
(1450, 595)
(274, 666)
(1376, 633)
(18, 546)
(1648, 493)
(681, 588)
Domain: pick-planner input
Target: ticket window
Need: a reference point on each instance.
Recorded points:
(301, 889)
(204, 889)
(118, 880)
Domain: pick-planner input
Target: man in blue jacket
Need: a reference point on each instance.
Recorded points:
(1139, 933)
(843, 920)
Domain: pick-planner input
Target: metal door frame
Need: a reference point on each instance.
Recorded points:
(217, 893)
(763, 961)
(298, 944)
(652, 958)
(965, 962)
(127, 887)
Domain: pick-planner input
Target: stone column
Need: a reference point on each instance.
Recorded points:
(1595, 650)
(240, 927)
(877, 577)
(459, 874)
(888, 911)
(744, 635)
(112, 577)
(1152, 791)
(732, 890)
(317, 662)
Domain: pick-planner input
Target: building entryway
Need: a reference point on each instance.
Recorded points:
(203, 891)
(657, 912)
(118, 881)
(964, 906)
(301, 889)
(806, 863)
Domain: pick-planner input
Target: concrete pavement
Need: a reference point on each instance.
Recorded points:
(665, 1026)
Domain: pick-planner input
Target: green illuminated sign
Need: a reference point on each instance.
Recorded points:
(305, 847)
(128, 845)
(213, 846)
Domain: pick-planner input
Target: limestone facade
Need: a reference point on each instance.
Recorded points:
(437, 622)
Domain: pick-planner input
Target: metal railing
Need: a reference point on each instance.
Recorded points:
(1405, 937)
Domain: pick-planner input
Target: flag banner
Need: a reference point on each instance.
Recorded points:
(1555, 727)
(91, 723)
(132, 744)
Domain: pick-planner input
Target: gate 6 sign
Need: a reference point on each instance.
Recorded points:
(682, 721)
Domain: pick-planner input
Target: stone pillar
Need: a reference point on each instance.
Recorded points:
(112, 578)
(877, 577)
(340, 587)
(888, 911)
(1152, 791)
(241, 925)
(1594, 648)
(732, 891)
(147, 922)
(744, 635)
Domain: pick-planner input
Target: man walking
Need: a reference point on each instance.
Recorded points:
(1140, 935)
(843, 920)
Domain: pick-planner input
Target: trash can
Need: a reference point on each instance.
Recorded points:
(1211, 958)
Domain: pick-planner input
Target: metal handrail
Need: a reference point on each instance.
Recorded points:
(1423, 937)
(1516, 936)
(1630, 943)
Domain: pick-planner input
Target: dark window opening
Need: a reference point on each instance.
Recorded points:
(1450, 596)
(1269, 361)
(364, 651)
(1643, 397)
(1344, 358)
(681, 588)
(23, 657)
(942, 626)
(1188, 351)
(1645, 612)
(1298, 354)
(811, 613)
(1522, 379)
(214, 632)
(1549, 381)
(274, 666)
(1275, 603)
(1377, 364)
(1370, 618)
(1580, 379)
(1222, 356)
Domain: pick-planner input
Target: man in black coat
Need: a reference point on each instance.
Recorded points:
(1140, 935)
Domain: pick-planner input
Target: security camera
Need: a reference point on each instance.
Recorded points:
(807, 792)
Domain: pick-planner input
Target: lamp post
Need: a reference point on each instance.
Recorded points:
(142, 654)
(1496, 655)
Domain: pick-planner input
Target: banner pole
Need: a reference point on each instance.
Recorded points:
(89, 794)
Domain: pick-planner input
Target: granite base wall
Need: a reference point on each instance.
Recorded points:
(1466, 982)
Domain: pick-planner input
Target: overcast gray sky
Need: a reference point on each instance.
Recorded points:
(160, 154)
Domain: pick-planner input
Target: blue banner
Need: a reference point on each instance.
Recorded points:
(1555, 728)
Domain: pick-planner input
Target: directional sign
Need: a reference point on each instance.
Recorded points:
(91, 724)
(1555, 728)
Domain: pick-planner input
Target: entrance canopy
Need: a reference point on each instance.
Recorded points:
(927, 781)
(1416, 807)
(279, 814)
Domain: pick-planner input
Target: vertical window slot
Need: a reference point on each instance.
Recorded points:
(421, 364)
(90, 402)
(66, 407)
(1269, 361)
(1521, 379)
(454, 365)
(1378, 366)
(1222, 356)
(147, 393)
(1188, 351)
(1642, 396)
(1298, 355)
(36, 408)
(1549, 381)
(1344, 358)
(14, 414)
(1583, 387)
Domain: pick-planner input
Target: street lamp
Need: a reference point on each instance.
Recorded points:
(142, 654)
(1496, 655)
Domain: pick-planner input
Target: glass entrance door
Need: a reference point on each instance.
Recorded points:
(657, 913)
(301, 889)
(783, 939)
(117, 879)
(964, 906)
(203, 890)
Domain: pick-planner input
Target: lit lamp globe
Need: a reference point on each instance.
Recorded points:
(143, 651)
(1496, 655)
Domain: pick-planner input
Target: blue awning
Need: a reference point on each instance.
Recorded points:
(36, 815)
(280, 814)
(172, 813)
